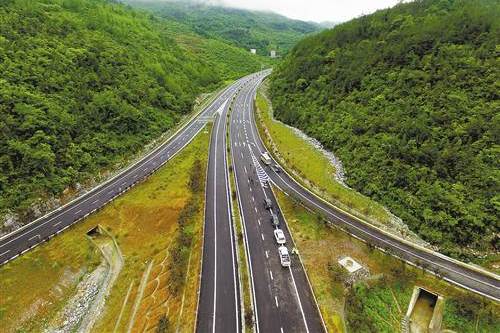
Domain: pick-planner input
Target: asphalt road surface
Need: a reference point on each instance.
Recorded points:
(282, 297)
(219, 300)
(15, 244)
(484, 284)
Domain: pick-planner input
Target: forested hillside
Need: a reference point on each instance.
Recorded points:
(409, 99)
(85, 83)
(263, 31)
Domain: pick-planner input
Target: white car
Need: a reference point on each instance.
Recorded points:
(279, 235)
(284, 256)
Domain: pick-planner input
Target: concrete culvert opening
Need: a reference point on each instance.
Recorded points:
(425, 312)
(94, 232)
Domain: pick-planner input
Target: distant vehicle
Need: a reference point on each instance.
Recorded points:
(279, 235)
(274, 220)
(265, 158)
(268, 204)
(284, 256)
(275, 168)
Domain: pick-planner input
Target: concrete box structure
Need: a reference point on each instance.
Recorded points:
(425, 312)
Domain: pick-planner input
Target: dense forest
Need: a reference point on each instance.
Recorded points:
(263, 31)
(85, 83)
(408, 97)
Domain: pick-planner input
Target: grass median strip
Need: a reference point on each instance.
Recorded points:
(378, 303)
(160, 219)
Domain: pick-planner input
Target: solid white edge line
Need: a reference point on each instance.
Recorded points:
(215, 226)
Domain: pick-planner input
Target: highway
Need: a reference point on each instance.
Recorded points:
(283, 300)
(44, 228)
(219, 299)
(462, 275)
(282, 297)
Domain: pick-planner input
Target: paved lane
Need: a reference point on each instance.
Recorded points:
(463, 275)
(283, 300)
(46, 227)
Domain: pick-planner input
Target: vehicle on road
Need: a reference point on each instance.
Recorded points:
(279, 235)
(275, 220)
(284, 256)
(275, 168)
(265, 158)
(268, 204)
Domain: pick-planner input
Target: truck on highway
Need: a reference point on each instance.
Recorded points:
(265, 158)
(284, 256)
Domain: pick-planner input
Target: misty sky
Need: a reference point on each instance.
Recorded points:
(313, 10)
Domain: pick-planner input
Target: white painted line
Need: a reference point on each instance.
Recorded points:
(267, 254)
(95, 201)
(281, 328)
(258, 220)
(1, 254)
(255, 209)
(78, 211)
(298, 299)
(36, 236)
(245, 169)
(262, 236)
(56, 224)
(271, 273)
(276, 300)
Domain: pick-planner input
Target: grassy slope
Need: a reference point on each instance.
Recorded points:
(385, 298)
(309, 163)
(144, 222)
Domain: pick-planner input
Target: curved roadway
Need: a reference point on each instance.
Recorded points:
(462, 275)
(44, 228)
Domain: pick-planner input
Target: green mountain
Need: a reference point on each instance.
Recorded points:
(409, 99)
(86, 83)
(263, 31)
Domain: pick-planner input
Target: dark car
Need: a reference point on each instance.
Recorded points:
(268, 204)
(275, 220)
(276, 168)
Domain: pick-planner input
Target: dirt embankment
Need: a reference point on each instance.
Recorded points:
(84, 307)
